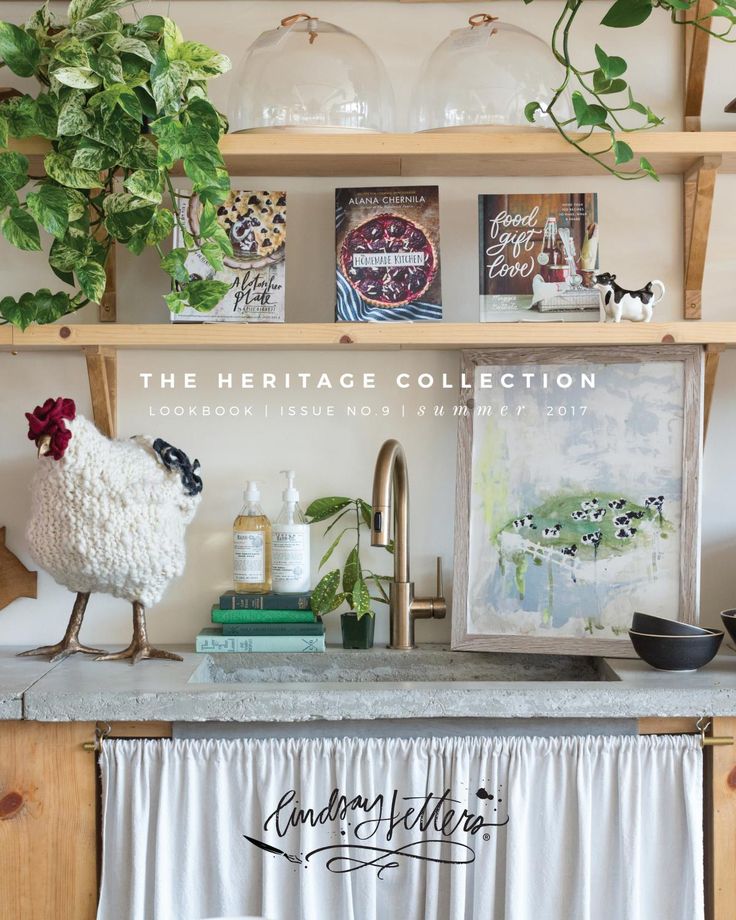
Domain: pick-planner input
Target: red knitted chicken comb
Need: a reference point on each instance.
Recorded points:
(48, 421)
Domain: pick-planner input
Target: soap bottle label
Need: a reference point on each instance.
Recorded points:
(249, 557)
(290, 557)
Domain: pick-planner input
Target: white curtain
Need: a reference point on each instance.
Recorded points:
(578, 828)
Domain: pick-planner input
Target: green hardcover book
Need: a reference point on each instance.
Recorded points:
(262, 616)
(233, 600)
(274, 629)
(212, 641)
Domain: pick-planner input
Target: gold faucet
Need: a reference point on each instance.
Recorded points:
(404, 608)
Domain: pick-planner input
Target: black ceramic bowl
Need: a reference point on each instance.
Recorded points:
(729, 621)
(661, 626)
(676, 653)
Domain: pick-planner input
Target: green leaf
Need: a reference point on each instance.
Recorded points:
(586, 114)
(205, 295)
(4, 132)
(202, 61)
(361, 598)
(333, 546)
(168, 80)
(173, 263)
(127, 44)
(622, 152)
(20, 115)
(602, 85)
(160, 227)
(83, 9)
(107, 64)
(73, 119)
(13, 176)
(66, 254)
(145, 183)
(141, 156)
(627, 13)
(77, 77)
(612, 67)
(366, 511)
(47, 115)
(352, 570)
(323, 596)
(59, 167)
(647, 167)
(125, 214)
(172, 37)
(94, 156)
(20, 229)
(92, 280)
(175, 301)
(323, 508)
(531, 109)
(19, 50)
(149, 25)
(50, 206)
(212, 252)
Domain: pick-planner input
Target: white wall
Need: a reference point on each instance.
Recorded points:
(641, 237)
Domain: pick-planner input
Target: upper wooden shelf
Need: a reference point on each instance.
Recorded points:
(415, 336)
(502, 153)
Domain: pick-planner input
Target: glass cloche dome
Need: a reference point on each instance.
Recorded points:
(310, 75)
(483, 76)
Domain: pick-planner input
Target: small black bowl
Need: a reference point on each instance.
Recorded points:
(661, 626)
(729, 621)
(676, 653)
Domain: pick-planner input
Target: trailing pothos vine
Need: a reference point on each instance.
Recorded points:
(601, 97)
(122, 104)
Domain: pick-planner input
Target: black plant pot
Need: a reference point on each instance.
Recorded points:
(357, 633)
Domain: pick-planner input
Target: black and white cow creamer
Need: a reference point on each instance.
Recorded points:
(620, 303)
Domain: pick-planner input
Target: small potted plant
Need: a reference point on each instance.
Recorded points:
(353, 585)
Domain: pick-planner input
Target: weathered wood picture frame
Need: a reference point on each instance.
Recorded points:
(540, 564)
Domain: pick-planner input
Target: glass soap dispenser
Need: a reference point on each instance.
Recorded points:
(290, 544)
(252, 545)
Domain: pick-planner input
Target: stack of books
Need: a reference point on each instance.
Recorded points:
(263, 623)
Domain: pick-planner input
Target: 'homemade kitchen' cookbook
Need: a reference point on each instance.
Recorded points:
(388, 254)
(538, 257)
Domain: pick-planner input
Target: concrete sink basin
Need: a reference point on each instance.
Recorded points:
(429, 663)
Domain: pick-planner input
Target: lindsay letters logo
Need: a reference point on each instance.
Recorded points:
(441, 831)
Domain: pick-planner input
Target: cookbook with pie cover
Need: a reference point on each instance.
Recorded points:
(255, 222)
(388, 254)
(538, 257)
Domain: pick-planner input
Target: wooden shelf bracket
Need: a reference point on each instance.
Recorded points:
(102, 371)
(698, 187)
(697, 43)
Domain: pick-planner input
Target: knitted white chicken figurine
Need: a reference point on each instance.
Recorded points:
(107, 516)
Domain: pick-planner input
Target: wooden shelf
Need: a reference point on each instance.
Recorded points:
(503, 153)
(313, 336)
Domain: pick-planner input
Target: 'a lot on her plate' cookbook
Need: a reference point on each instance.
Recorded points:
(388, 254)
(538, 257)
(255, 222)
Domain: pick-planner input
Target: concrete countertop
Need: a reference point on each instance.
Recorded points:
(17, 675)
(85, 690)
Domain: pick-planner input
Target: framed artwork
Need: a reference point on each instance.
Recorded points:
(578, 491)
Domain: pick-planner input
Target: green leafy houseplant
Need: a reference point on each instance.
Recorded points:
(353, 585)
(603, 103)
(122, 104)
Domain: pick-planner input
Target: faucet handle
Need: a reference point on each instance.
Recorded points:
(424, 608)
(440, 579)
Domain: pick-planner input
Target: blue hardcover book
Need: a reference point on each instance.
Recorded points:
(211, 640)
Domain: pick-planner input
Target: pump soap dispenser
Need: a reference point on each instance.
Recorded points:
(290, 544)
(252, 545)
